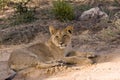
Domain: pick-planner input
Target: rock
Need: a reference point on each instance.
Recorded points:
(93, 13)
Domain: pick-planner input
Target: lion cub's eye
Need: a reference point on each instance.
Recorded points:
(56, 36)
(64, 36)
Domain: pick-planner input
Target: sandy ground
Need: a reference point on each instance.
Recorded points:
(108, 69)
(103, 71)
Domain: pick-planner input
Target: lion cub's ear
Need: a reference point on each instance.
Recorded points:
(69, 29)
(52, 30)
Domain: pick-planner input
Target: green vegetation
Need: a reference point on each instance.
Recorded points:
(23, 13)
(63, 10)
(24, 17)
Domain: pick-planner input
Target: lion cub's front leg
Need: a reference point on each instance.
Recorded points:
(75, 60)
(79, 58)
(47, 64)
(81, 54)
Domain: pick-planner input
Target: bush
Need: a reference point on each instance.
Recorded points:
(24, 18)
(63, 10)
(23, 13)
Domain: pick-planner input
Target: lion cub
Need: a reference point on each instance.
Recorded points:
(44, 55)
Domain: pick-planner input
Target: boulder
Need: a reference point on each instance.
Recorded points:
(93, 13)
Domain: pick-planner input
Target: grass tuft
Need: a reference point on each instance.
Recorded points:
(63, 10)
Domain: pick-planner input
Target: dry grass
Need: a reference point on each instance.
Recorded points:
(111, 33)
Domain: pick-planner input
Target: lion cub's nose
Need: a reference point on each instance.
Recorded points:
(61, 43)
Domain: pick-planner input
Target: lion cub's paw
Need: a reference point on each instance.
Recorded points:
(91, 55)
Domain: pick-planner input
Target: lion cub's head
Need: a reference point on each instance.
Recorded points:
(61, 37)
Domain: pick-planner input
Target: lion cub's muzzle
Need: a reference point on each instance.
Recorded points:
(62, 45)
